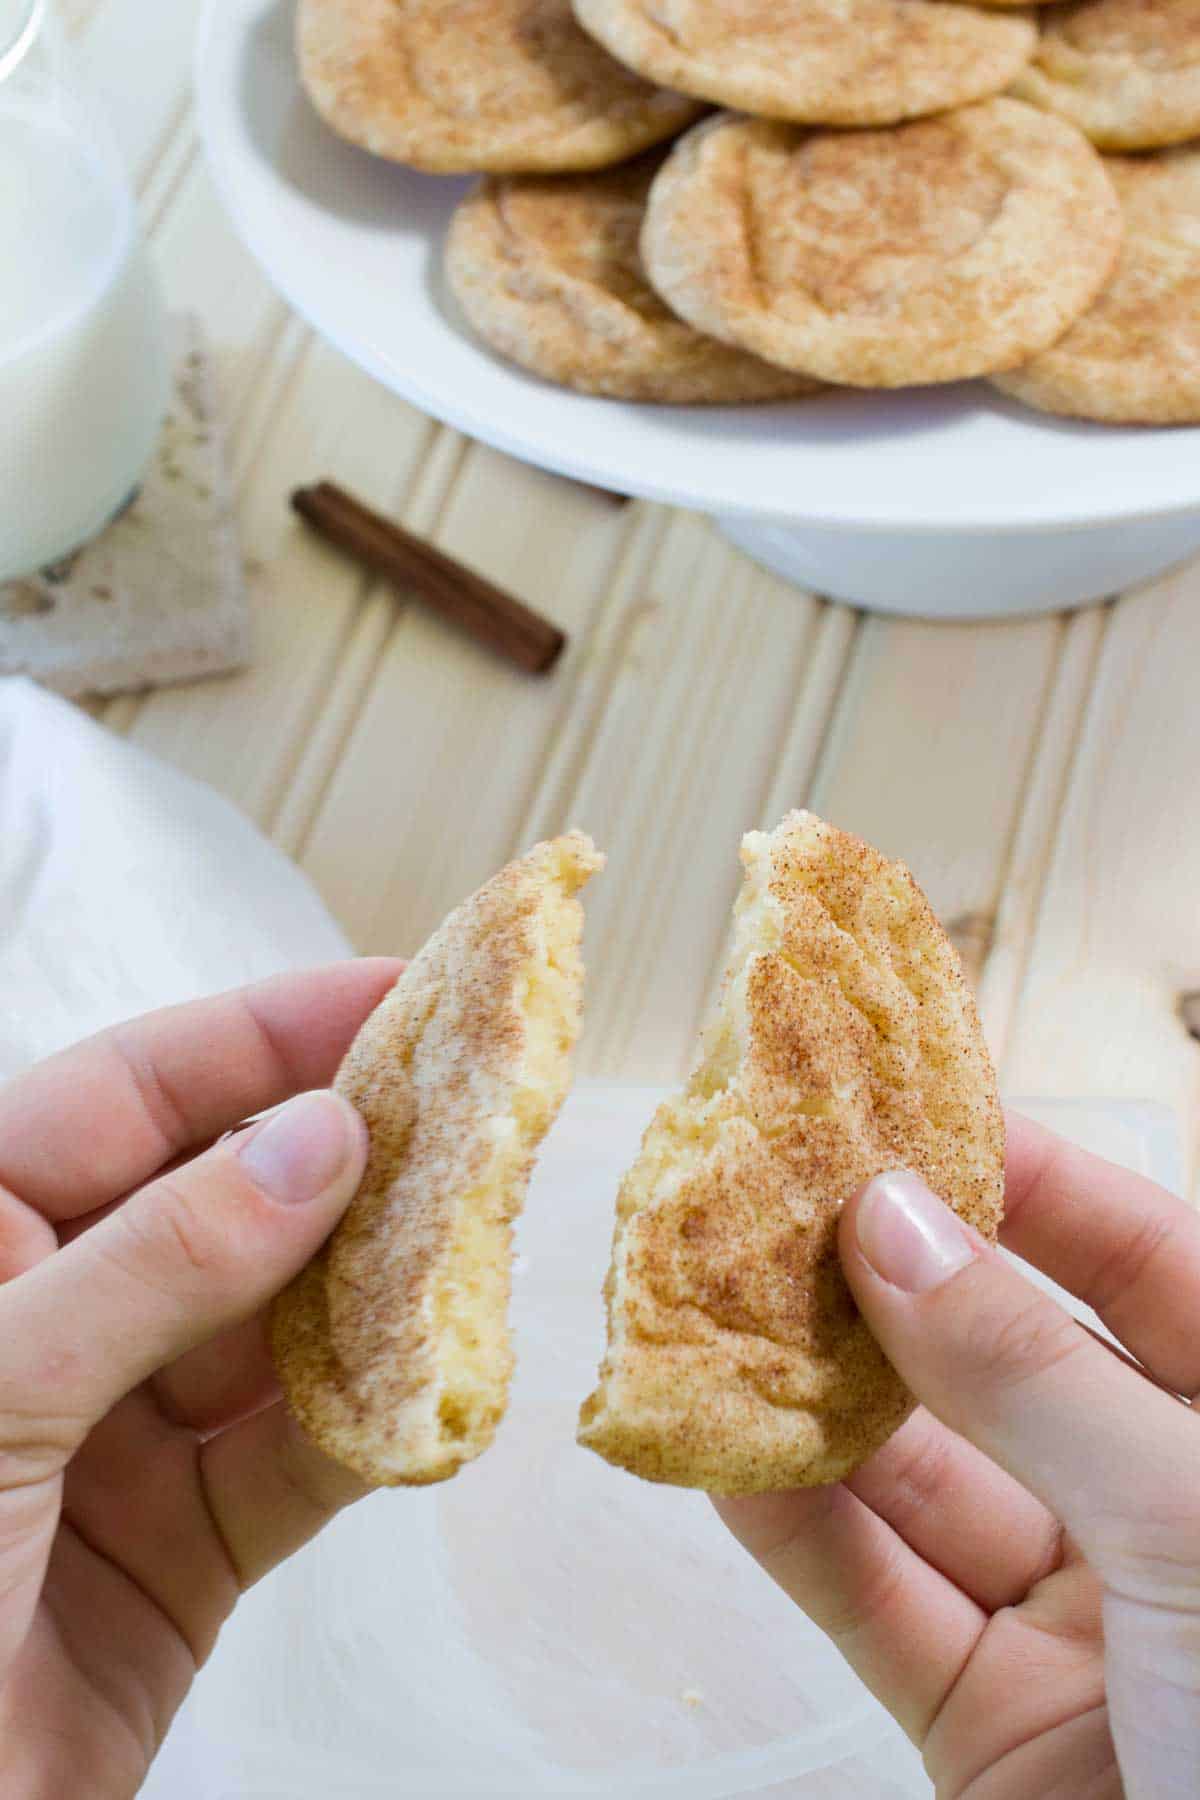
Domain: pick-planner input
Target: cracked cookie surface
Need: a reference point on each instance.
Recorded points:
(1125, 71)
(548, 273)
(831, 62)
(846, 1043)
(455, 86)
(1134, 356)
(932, 251)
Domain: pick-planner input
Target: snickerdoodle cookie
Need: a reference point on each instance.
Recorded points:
(547, 270)
(832, 62)
(1134, 356)
(392, 1345)
(933, 251)
(1125, 71)
(846, 1043)
(460, 85)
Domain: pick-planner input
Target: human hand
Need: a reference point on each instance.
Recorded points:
(1016, 1574)
(148, 1470)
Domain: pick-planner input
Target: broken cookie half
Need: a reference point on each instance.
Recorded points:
(846, 1043)
(392, 1345)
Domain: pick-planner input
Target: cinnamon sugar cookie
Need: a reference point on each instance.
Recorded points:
(392, 1345)
(547, 270)
(832, 62)
(1134, 356)
(1125, 71)
(933, 251)
(458, 85)
(846, 1043)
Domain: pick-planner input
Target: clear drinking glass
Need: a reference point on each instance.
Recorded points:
(84, 372)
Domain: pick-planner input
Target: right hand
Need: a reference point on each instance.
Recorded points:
(1016, 1574)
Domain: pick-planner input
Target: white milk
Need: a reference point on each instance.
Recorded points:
(83, 368)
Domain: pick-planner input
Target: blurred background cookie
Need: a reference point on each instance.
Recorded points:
(1125, 71)
(932, 251)
(1134, 356)
(453, 86)
(547, 271)
(833, 62)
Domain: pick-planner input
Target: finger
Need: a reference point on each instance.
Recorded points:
(67, 1230)
(195, 1524)
(904, 1629)
(1038, 1667)
(190, 1255)
(28, 1520)
(96, 1121)
(217, 1383)
(269, 1490)
(960, 1512)
(1072, 1755)
(25, 1237)
(1125, 1246)
(1000, 1363)
(132, 1494)
(98, 1653)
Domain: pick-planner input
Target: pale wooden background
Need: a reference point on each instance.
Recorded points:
(1041, 778)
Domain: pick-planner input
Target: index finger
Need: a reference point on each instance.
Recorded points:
(1115, 1240)
(95, 1121)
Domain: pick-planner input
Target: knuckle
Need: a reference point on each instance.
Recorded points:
(43, 1417)
(176, 1228)
(1150, 1569)
(187, 1229)
(164, 1110)
(860, 1609)
(1129, 1260)
(1023, 1344)
(37, 1440)
(31, 1459)
(1148, 1553)
(921, 1469)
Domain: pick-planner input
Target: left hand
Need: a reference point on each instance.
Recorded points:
(149, 1472)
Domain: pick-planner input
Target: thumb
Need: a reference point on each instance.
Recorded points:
(1006, 1367)
(199, 1249)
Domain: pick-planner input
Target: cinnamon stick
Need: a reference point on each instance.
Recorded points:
(468, 600)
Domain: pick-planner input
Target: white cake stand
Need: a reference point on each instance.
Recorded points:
(946, 502)
(965, 574)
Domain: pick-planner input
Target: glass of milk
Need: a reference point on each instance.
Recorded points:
(83, 362)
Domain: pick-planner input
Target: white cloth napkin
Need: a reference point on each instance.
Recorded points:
(125, 885)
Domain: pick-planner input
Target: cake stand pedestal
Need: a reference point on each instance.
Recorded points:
(969, 574)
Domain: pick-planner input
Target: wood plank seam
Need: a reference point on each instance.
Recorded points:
(660, 836)
(590, 671)
(1069, 777)
(266, 394)
(1060, 734)
(422, 506)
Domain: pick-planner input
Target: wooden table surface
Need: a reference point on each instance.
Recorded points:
(1042, 778)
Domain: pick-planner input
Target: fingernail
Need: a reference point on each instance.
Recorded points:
(300, 1151)
(908, 1236)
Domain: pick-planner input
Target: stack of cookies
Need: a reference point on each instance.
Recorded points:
(899, 192)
